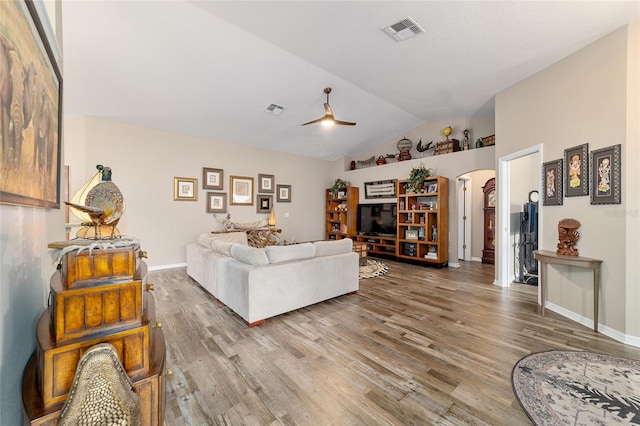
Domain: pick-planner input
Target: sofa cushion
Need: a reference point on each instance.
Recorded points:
(277, 254)
(329, 248)
(250, 255)
(206, 238)
(221, 247)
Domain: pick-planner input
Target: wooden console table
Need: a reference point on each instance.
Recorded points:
(546, 256)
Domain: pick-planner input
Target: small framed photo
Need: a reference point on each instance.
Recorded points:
(432, 188)
(212, 178)
(264, 203)
(552, 183)
(342, 194)
(216, 202)
(576, 173)
(411, 234)
(185, 189)
(266, 183)
(241, 190)
(605, 175)
(284, 193)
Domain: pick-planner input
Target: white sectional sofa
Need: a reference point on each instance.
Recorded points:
(259, 283)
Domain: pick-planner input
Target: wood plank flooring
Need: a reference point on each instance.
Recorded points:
(416, 346)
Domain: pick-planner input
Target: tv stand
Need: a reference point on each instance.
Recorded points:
(378, 244)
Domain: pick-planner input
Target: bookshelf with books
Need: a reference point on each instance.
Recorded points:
(422, 224)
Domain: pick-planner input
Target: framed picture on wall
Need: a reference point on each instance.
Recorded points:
(185, 189)
(264, 203)
(576, 173)
(552, 183)
(30, 166)
(605, 175)
(241, 190)
(212, 178)
(266, 183)
(216, 202)
(284, 193)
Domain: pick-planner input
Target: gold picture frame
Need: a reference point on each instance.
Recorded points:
(185, 189)
(241, 190)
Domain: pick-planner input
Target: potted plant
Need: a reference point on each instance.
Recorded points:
(418, 174)
(337, 185)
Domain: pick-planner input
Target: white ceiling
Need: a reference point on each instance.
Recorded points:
(210, 68)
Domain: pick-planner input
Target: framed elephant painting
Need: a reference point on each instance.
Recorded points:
(30, 109)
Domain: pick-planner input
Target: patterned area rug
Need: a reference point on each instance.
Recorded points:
(578, 388)
(373, 268)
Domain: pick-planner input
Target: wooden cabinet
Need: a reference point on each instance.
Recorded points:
(488, 251)
(98, 296)
(423, 222)
(341, 213)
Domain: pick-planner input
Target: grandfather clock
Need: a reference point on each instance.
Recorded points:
(488, 252)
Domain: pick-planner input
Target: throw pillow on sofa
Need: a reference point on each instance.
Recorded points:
(250, 255)
(277, 254)
(329, 248)
(221, 247)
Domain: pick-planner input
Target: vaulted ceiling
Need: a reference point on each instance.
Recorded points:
(211, 68)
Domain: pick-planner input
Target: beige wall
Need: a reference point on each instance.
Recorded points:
(145, 161)
(582, 99)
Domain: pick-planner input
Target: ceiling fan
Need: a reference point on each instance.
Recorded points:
(328, 119)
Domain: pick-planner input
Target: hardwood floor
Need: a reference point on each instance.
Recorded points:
(416, 346)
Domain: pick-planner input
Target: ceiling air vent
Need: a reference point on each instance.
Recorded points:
(274, 109)
(403, 30)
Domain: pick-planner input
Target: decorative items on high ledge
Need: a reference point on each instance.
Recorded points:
(568, 236)
(417, 175)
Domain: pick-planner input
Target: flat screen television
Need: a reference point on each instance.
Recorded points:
(377, 219)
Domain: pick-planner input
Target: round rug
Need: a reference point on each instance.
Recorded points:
(578, 388)
(373, 268)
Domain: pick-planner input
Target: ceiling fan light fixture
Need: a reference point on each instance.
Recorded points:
(328, 119)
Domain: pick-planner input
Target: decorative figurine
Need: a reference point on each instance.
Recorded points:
(381, 160)
(479, 143)
(434, 234)
(353, 165)
(404, 145)
(447, 132)
(568, 236)
(422, 148)
(465, 140)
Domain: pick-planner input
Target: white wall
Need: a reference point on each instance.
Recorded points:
(583, 99)
(145, 161)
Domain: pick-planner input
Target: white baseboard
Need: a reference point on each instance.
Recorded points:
(476, 259)
(160, 267)
(454, 265)
(607, 331)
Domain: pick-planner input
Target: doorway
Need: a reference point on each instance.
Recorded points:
(518, 174)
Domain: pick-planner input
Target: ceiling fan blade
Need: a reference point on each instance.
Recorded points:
(314, 121)
(343, 123)
(327, 110)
